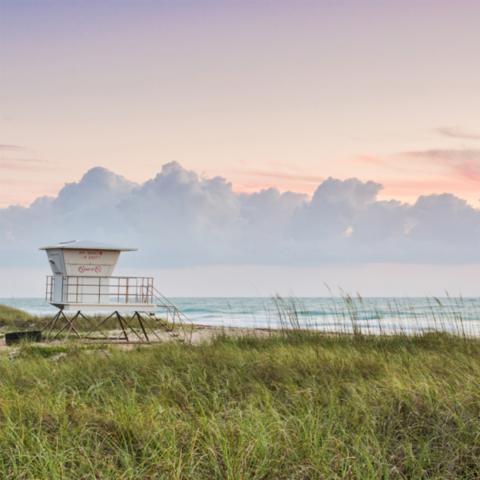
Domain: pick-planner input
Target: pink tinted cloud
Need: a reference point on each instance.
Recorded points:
(458, 132)
(429, 171)
(10, 148)
(464, 164)
(22, 164)
(16, 158)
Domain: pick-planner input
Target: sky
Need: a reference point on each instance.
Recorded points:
(239, 97)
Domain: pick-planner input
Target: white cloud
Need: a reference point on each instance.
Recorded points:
(179, 218)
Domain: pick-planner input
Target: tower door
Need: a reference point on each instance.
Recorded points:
(57, 294)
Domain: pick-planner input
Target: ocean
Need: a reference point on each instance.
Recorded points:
(370, 315)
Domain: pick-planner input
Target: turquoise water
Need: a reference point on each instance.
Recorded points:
(369, 314)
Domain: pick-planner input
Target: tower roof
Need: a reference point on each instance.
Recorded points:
(87, 245)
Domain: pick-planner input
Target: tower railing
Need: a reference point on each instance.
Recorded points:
(133, 304)
(94, 290)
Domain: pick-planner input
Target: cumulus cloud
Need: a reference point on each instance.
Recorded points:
(180, 218)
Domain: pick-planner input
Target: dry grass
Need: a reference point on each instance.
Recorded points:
(287, 404)
(280, 407)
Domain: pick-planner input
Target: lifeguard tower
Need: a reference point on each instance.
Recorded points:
(82, 281)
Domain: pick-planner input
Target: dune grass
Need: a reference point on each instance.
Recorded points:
(14, 317)
(9, 314)
(281, 407)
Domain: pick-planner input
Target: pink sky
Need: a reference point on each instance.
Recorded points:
(264, 93)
